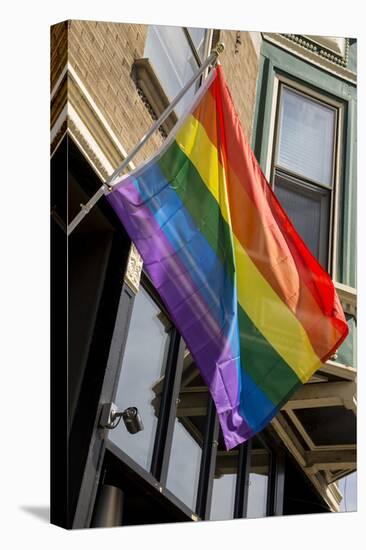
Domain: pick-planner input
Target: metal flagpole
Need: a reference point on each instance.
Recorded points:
(85, 208)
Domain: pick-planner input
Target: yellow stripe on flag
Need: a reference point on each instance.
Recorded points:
(196, 145)
(268, 312)
(273, 318)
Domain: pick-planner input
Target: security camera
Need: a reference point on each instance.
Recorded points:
(110, 417)
(132, 420)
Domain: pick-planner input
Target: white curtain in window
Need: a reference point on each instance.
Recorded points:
(306, 137)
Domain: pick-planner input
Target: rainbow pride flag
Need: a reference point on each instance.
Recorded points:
(255, 308)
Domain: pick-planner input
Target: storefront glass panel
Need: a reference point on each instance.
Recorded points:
(143, 364)
(258, 480)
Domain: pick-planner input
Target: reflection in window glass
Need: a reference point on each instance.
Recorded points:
(224, 485)
(306, 140)
(143, 364)
(348, 487)
(171, 57)
(258, 481)
(346, 354)
(198, 39)
(184, 465)
(309, 210)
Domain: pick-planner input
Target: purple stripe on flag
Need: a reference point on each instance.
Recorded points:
(234, 427)
(191, 314)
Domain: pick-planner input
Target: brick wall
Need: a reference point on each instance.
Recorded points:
(102, 54)
(58, 50)
(240, 64)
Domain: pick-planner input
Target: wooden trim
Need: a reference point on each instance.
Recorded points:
(348, 298)
(298, 425)
(329, 493)
(333, 477)
(310, 443)
(321, 394)
(337, 369)
(330, 460)
(338, 178)
(227, 461)
(193, 401)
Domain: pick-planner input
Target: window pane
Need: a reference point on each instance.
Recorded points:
(140, 371)
(184, 464)
(348, 487)
(172, 59)
(346, 354)
(198, 38)
(258, 481)
(308, 208)
(223, 494)
(306, 137)
(189, 428)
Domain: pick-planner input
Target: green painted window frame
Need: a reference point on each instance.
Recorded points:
(277, 63)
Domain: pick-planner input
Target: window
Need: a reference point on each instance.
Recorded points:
(188, 436)
(258, 480)
(184, 463)
(147, 332)
(175, 53)
(304, 166)
(224, 484)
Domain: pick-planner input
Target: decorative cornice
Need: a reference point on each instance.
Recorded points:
(150, 110)
(59, 135)
(133, 270)
(86, 147)
(312, 45)
(315, 53)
